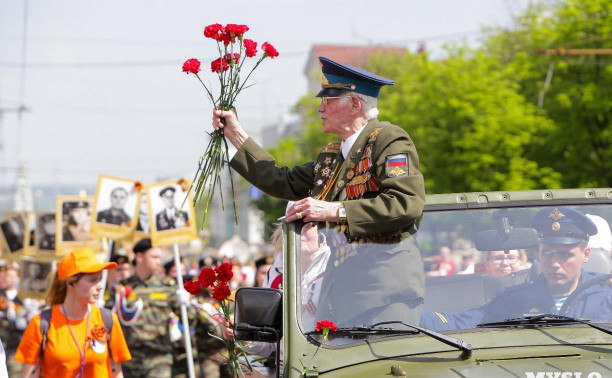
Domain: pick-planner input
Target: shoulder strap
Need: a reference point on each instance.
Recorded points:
(45, 320)
(107, 319)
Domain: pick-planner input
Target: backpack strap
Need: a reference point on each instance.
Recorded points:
(45, 320)
(107, 319)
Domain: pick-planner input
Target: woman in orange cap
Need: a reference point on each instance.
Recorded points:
(76, 336)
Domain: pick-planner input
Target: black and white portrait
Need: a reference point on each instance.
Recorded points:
(35, 275)
(116, 201)
(13, 230)
(76, 220)
(45, 232)
(144, 224)
(165, 204)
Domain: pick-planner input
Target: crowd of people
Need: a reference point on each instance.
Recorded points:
(142, 294)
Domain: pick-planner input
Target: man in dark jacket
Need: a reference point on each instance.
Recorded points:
(562, 288)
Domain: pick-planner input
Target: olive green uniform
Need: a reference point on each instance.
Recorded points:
(148, 336)
(383, 203)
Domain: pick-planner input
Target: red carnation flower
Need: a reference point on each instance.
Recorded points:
(219, 64)
(193, 287)
(236, 30)
(232, 59)
(269, 50)
(221, 292)
(191, 66)
(251, 47)
(224, 272)
(323, 324)
(213, 31)
(207, 277)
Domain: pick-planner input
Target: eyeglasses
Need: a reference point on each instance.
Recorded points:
(498, 259)
(325, 99)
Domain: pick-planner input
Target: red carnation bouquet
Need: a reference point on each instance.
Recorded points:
(218, 280)
(234, 50)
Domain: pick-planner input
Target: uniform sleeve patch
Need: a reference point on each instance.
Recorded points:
(397, 165)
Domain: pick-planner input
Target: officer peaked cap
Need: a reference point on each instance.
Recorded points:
(339, 78)
(563, 225)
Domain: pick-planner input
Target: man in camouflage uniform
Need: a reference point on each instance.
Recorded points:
(145, 303)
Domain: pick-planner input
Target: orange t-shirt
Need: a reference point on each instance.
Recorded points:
(61, 357)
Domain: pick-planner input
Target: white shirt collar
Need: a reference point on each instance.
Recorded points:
(347, 144)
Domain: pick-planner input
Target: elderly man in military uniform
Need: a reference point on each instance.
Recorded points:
(367, 184)
(562, 288)
(170, 217)
(116, 213)
(144, 304)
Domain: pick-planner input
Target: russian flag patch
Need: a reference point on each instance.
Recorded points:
(397, 165)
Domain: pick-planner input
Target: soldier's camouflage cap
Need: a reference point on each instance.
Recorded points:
(563, 225)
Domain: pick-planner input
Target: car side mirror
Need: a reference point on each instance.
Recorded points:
(259, 314)
(500, 240)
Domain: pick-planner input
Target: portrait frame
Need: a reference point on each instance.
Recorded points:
(29, 247)
(115, 222)
(44, 241)
(35, 287)
(164, 231)
(14, 245)
(64, 205)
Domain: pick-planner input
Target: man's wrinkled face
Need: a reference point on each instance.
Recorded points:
(335, 114)
(561, 265)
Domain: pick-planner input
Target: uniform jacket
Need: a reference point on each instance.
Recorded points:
(378, 204)
(148, 335)
(592, 300)
(107, 216)
(163, 223)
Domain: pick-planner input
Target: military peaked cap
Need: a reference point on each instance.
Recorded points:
(338, 78)
(563, 225)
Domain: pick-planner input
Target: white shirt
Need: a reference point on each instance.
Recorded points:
(3, 371)
(347, 144)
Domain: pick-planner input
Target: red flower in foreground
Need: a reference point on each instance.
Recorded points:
(236, 30)
(251, 47)
(207, 277)
(224, 272)
(219, 64)
(193, 287)
(191, 66)
(221, 292)
(214, 31)
(322, 325)
(232, 59)
(269, 50)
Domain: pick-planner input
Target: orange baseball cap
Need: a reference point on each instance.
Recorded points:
(81, 261)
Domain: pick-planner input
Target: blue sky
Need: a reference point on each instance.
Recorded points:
(106, 94)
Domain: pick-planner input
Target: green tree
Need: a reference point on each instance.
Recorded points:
(577, 95)
(467, 119)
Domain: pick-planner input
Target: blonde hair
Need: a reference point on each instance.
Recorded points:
(277, 239)
(58, 288)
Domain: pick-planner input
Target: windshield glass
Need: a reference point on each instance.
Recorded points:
(461, 268)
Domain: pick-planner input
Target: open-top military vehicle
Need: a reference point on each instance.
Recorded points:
(453, 339)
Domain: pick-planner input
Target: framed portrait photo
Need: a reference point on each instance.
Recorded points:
(143, 224)
(44, 235)
(14, 234)
(29, 217)
(35, 277)
(72, 222)
(171, 212)
(116, 205)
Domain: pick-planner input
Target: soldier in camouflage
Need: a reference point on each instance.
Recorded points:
(145, 303)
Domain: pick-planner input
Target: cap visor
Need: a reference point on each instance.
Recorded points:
(99, 267)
